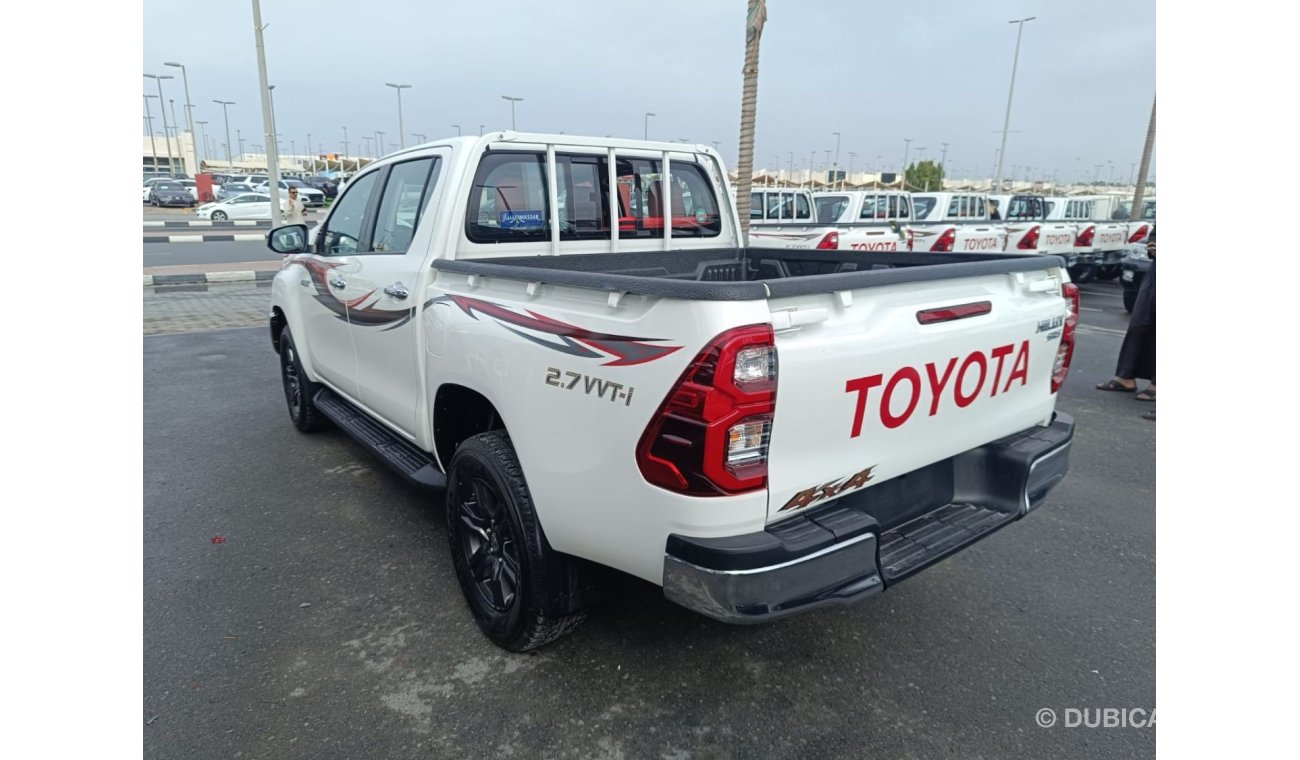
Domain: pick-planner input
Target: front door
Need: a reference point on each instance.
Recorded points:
(327, 292)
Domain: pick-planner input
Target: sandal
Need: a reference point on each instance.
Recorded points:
(1111, 385)
(1146, 395)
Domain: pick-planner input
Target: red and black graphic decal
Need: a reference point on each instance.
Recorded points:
(622, 350)
(350, 309)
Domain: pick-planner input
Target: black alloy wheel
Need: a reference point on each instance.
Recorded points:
(488, 544)
(298, 388)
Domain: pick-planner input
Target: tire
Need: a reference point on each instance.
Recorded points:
(493, 533)
(1130, 298)
(1083, 273)
(1108, 271)
(219, 216)
(299, 390)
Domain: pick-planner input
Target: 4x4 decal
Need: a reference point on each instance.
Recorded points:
(622, 350)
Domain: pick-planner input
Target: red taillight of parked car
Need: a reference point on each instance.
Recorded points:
(1084, 239)
(710, 435)
(829, 242)
(1138, 234)
(1065, 352)
(945, 242)
(1030, 241)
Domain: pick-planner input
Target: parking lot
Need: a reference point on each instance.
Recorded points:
(299, 602)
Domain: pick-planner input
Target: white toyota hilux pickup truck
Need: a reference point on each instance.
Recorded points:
(954, 223)
(591, 378)
(868, 220)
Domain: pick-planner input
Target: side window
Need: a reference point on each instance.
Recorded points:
(755, 205)
(954, 207)
(893, 207)
(342, 233)
(904, 208)
(787, 206)
(508, 200)
(401, 205)
(870, 207)
(922, 207)
(803, 210)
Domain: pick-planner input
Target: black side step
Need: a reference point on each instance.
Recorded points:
(411, 463)
(931, 537)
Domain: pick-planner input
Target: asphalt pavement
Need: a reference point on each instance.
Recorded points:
(300, 603)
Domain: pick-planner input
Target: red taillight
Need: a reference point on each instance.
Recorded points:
(945, 242)
(829, 242)
(1030, 241)
(710, 435)
(911, 238)
(1084, 240)
(1137, 236)
(1065, 352)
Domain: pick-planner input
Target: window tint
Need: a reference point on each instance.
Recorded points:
(830, 207)
(342, 234)
(904, 208)
(508, 200)
(400, 206)
(923, 206)
(773, 205)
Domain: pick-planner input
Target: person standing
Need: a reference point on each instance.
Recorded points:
(294, 212)
(1137, 355)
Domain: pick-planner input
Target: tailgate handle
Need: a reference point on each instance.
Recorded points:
(1044, 285)
(792, 318)
(949, 313)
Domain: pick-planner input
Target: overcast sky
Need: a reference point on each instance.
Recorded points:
(935, 71)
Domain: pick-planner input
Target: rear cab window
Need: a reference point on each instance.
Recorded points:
(508, 202)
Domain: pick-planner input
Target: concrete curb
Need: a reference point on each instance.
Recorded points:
(208, 278)
(227, 238)
(210, 223)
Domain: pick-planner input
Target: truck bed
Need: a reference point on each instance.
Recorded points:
(745, 274)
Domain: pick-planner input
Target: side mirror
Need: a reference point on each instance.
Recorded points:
(291, 238)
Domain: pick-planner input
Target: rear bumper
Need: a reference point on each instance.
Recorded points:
(863, 543)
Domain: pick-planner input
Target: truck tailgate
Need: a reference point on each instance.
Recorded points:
(867, 391)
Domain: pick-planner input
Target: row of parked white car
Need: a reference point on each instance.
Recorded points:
(1087, 231)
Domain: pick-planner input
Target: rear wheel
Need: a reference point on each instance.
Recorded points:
(1083, 273)
(299, 390)
(497, 546)
(219, 216)
(1108, 271)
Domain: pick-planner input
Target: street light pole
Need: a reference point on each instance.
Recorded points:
(239, 138)
(480, 129)
(189, 108)
(836, 168)
(171, 167)
(902, 177)
(512, 109)
(457, 128)
(379, 143)
(849, 173)
(153, 146)
(646, 134)
(419, 136)
(401, 127)
(1006, 122)
(226, 115)
(366, 142)
(268, 115)
(345, 146)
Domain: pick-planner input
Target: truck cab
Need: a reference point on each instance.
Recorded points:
(868, 220)
(954, 223)
(783, 217)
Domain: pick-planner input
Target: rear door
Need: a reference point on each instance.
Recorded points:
(869, 393)
(386, 277)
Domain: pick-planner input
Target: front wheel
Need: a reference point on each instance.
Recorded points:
(497, 546)
(1083, 273)
(299, 390)
(219, 216)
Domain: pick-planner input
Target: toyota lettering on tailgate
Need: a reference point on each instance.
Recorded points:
(950, 378)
